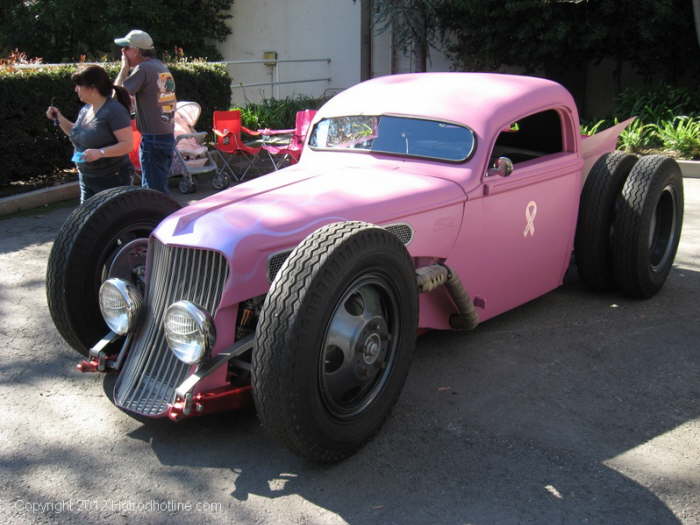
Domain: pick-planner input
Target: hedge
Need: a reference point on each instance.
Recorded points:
(277, 113)
(29, 143)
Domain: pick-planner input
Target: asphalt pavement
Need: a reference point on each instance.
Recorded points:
(574, 408)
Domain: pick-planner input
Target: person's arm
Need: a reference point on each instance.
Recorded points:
(53, 113)
(123, 72)
(124, 145)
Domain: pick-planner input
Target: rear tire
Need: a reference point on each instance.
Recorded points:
(592, 246)
(648, 222)
(84, 249)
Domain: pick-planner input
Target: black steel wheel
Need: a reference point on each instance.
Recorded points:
(592, 247)
(335, 339)
(648, 222)
(108, 229)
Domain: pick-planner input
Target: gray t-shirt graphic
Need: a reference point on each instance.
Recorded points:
(154, 88)
(99, 133)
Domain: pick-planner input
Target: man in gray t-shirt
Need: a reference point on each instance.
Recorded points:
(151, 83)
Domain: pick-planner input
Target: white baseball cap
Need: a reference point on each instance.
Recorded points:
(135, 38)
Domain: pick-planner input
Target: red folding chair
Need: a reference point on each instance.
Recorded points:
(228, 129)
(289, 153)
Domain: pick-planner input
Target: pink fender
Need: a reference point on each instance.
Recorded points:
(599, 144)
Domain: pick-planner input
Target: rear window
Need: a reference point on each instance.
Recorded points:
(395, 135)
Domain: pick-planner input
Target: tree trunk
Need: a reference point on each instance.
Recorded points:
(395, 51)
(420, 41)
(420, 53)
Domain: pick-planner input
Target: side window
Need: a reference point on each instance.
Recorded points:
(530, 138)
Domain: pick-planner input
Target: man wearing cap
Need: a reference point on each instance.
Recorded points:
(152, 84)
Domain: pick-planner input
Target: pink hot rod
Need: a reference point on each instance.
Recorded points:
(424, 201)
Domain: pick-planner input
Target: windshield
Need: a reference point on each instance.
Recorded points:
(396, 135)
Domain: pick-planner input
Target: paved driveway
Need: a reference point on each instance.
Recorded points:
(575, 408)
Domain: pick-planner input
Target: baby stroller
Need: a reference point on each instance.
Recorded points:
(191, 156)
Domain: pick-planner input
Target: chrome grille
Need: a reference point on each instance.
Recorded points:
(151, 372)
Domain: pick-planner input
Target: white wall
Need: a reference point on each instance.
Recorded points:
(295, 29)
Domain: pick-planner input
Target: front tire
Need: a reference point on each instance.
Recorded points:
(648, 222)
(84, 249)
(335, 339)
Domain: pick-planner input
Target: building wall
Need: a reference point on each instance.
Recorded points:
(295, 29)
(301, 29)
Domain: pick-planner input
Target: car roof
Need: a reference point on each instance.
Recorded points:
(482, 101)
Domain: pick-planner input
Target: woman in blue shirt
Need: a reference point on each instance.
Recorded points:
(101, 135)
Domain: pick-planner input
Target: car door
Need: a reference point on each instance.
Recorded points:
(519, 226)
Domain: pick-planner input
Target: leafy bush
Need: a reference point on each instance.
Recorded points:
(682, 134)
(658, 103)
(636, 136)
(29, 143)
(207, 84)
(63, 31)
(591, 128)
(668, 118)
(277, 114)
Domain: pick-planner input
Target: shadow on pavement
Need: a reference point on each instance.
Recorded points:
(516, 422)
(562, 410)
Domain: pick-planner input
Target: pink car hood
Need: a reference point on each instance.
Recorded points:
(275, 212)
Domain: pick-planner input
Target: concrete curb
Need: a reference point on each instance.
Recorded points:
(38, 198)
(690, 168)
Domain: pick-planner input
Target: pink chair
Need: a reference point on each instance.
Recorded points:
(289, 153)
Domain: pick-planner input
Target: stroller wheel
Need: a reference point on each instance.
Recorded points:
(187, 186)
(220, 181)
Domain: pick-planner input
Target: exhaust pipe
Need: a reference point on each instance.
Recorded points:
(430, 277)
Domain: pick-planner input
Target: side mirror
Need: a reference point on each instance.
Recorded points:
(503, 167)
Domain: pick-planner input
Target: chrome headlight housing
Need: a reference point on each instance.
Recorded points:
(189, 331)
(120, 304)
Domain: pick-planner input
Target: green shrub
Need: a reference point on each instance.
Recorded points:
(277, 114)
(207, 84)
(658, 124)
(591, 128)
(636, 136)
(29, 143)
(682, 134)
(662, 102)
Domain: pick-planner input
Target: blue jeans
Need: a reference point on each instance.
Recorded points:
(156, 156)
(91, 184)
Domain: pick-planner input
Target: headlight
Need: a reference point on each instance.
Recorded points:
(120, 304)
(189, 330)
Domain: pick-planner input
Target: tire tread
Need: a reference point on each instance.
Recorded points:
(273, 370)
